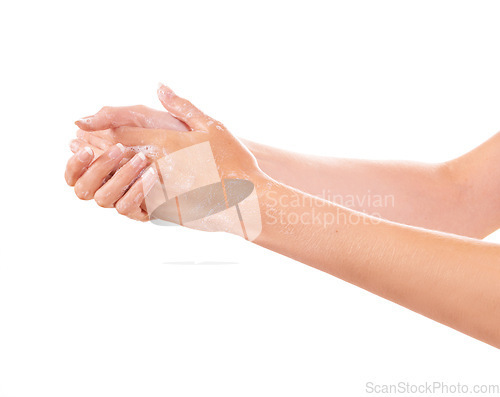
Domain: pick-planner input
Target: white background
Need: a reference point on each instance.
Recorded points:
(89, 303)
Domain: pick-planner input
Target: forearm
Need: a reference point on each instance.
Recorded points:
(431, 196)
(477, 174)
(459, 196)
(450, 279)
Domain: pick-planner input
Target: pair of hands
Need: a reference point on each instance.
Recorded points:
(181, 166)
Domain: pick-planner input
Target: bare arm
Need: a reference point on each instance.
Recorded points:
(461, 196)
(448, 278)
(451, 279)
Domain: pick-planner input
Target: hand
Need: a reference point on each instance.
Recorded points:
(113, 117)
(206, 173)
(89, 147)
(131, 116)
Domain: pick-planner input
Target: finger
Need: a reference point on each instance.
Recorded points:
(93, 139)
(119, 183)
(77, 165)
(133, 136)
(110, 117)
(130, 204)
(78, 144)
(97, 173)
(139, 215)
(183, 109)
(131, 116)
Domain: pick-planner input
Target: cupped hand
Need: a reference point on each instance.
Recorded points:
(200, 173)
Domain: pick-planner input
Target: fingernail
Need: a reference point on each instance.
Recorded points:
(73, 145)
(148, 179)
(149, 176)
(116, 151)
(138, 159)
(85, 154)
(84, 120)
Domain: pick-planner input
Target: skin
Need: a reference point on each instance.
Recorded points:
(457, 196)
(233, 159)
(451, 279)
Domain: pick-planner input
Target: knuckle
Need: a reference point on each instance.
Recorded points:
(102, 199)
(81, 192)
(189, 107)
(139, 217)
(122, 208)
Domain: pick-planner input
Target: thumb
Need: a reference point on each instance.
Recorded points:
(182, 109)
